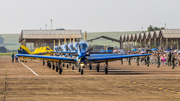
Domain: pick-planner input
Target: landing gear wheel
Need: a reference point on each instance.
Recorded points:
(67, 65)
(82, 71)
(106, 70)
(53, 66)
(56, 69)
(79, 69)
(60, 70)
(72, 67)
(49, 65)
(90, 67)
(43, 62)
(63, 65)
(97, 68)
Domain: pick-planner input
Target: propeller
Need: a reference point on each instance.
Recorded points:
(89, 49)
(82, 55)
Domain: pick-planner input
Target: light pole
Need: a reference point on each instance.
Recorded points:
(51, 24)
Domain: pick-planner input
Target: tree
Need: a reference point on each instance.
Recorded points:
(150, 28)
(3, 49)
(162, 28)
(155, 28)
(1, 40)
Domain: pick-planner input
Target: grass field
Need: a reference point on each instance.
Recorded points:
(6, 54)
(12, 40)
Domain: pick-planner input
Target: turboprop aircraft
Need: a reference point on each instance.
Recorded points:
(40, 50)
(81, 59)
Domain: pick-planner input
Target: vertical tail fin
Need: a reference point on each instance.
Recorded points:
(23, 50)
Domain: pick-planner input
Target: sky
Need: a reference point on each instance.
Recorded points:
(88, 15)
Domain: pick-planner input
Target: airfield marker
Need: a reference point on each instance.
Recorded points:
(29, 68)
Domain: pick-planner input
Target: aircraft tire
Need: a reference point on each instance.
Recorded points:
(60, 70)
(106, 70)
(67, 66)
(53, 67)
(72, 67)
(82, 71)
(97, 68)
(49, 65)
(79, 69)
(56, 69)
(90, 67)
(43, 62)
(63, 65)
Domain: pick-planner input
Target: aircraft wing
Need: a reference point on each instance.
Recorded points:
(113, 58)
(94, 52)
(104, 55)
(50, 58)
(66, 52)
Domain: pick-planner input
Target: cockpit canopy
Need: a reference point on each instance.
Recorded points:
(64, 47)
(83, 45)
(75, 45)
(70, 46)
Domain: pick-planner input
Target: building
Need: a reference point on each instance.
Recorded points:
(160, 39)
(50, 38)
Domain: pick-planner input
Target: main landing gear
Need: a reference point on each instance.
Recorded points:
(72, 66)
(53, 65)
(49, 64)
(57, 65)
(106, 67)
(60, 68)
(90, 66)
(97, 67)
(43, 62)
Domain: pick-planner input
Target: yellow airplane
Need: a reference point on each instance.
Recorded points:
(41, 50)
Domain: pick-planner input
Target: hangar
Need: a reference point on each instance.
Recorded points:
(160, 39)
(49, 38)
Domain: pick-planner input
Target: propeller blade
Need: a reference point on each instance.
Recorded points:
(79, 48)
(89, 49)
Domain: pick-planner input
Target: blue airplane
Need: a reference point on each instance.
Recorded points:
(70, 50)
(82, 58)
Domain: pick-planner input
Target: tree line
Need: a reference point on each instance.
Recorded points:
(151, 28)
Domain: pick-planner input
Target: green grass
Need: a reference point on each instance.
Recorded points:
(12, 40)
(6, 54)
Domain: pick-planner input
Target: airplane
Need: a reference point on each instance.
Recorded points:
(40, 50)
(82, 58)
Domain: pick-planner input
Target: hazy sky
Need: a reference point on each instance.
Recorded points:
(88, 15)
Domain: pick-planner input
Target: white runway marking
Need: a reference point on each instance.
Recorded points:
(29, 68)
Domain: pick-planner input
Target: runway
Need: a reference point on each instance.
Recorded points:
(122, 83)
